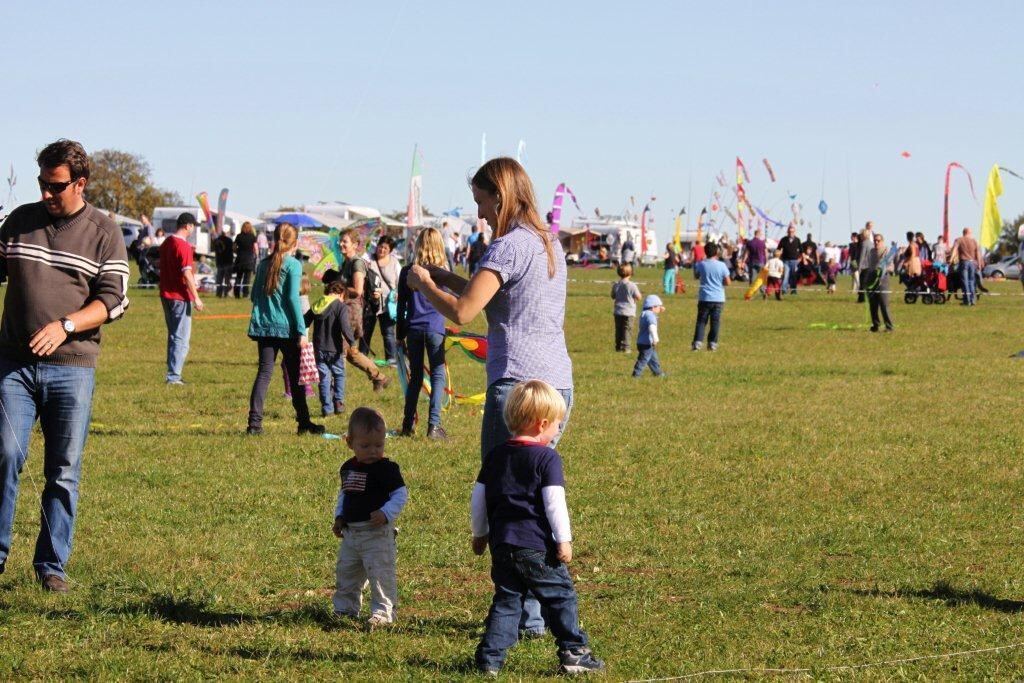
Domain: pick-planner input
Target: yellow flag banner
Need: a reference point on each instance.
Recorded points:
(991, 222)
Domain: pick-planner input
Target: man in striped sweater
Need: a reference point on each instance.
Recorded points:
(67, 274)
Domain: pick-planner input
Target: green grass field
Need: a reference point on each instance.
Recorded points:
(803, 498)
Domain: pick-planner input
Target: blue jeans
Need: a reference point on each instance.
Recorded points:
(61, 397)
(330, 366)
(669, 281)
(494, 432)
(790, 275)
(178, 315)
(969, 279)
(647, 357)
(708, 310)
(419, 343)
(517, 572)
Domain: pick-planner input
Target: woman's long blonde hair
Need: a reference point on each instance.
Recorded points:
(507, 179)
(430, 249)
(285, 236)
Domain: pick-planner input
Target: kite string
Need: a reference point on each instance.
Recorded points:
(838, 667)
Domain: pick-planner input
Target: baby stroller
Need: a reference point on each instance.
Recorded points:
(929, 286)
(149, 265)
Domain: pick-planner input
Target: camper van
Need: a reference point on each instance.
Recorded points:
(166, 217)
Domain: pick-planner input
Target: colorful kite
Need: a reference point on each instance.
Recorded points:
(474, 346)
(740, 168)
(768, 219)
(677, 240)
(204, 204)
(905, 154)
(556, 208)
(771, 173)
(222, 206)
(991, 222)
(758, 283)
(643, 229)
(945, 208)
(556, 205)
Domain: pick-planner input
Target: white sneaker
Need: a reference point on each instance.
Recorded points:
(377, 621)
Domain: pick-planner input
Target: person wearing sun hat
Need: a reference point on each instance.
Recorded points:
(647, 339)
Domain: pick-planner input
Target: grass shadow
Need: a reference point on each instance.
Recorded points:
(953, 597)
(185, 610)
(318, 614)
(302, 654)
(462, 666)
(440, 626)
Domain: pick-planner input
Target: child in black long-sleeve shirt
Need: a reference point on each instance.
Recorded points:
(332, 331)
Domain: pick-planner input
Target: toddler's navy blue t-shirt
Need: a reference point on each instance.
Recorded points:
(367, 487)
(514, 475)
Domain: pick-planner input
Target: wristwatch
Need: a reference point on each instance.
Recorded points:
(68, 324)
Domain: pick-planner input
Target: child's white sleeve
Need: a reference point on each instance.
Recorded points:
(396, 501)
(653, 332)
(341, 502)
(478, 511)
(557, 513)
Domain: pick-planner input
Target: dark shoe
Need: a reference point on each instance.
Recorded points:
(54, 584)
(381, 383)
(253, 430)
(3, 566)
(339, 407)
(531, 634)
(310, 428)
(874, 328)
(437, 433)
(579, 662)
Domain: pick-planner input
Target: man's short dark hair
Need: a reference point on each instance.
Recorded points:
(65, 152)
(710, 249)
(330, 275)
(185, 219)
(365, 419)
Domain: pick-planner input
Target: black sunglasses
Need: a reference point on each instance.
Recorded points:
(54, 188)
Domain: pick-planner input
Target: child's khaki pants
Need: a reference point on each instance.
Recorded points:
(367, 555)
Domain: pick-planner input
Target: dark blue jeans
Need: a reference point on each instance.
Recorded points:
(422, 343)
(330, 366)
(647, 357)
(517, 572)
(790, 276)
(708, 310)
(61, 397)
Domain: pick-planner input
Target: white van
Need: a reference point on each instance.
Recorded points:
(166, 217)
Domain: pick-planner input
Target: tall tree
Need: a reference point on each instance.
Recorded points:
(120, 182)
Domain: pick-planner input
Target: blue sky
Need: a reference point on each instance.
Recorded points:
(293, 102)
